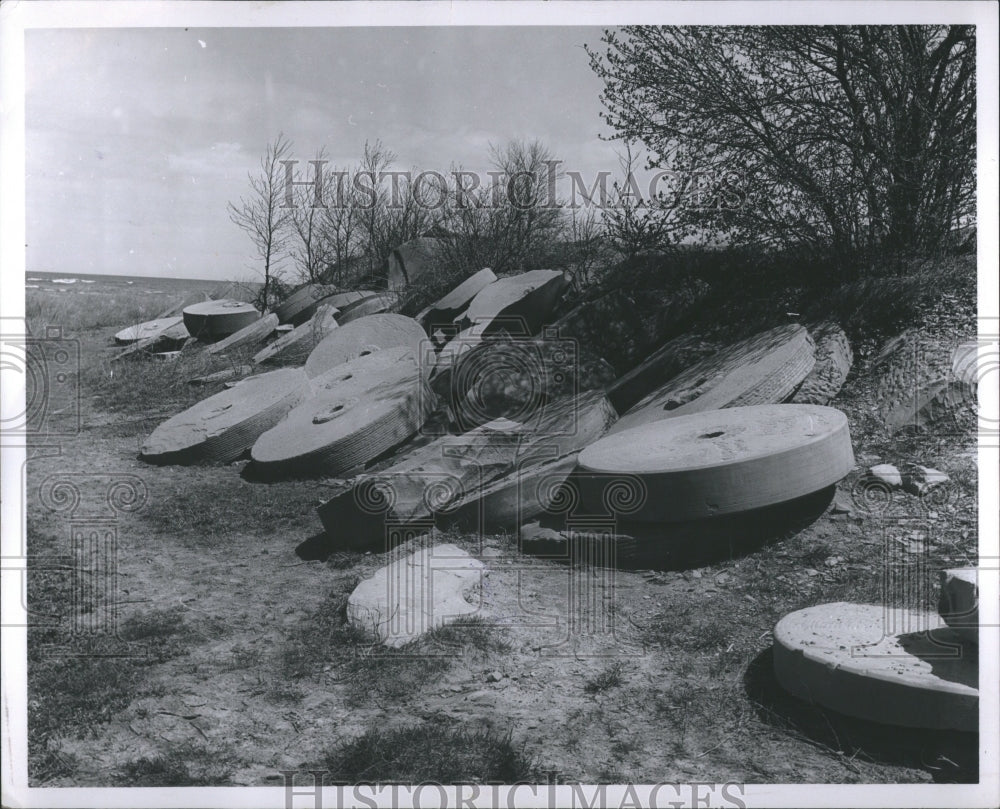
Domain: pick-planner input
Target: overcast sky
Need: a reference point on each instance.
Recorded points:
(137, 138)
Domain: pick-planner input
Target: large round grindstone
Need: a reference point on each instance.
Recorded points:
(251, 335)
(301, 305)
(888, 665)
(215, 319)
(223, 426)
(151, 328)
(376, 304)
(365, 336)
(296, 345)
(357, 412)
(521, 304)
(764, 369)
(726, 461)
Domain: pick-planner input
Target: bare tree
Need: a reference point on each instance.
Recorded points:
(634, 223)
(339, 225)
(262, 217)
(849, 139)
(308, 243)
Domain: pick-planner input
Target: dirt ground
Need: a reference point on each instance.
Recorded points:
(233, 676)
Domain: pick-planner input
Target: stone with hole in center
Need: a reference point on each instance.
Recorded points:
(722, 461)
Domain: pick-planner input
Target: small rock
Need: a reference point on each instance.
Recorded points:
(695, 574)
(887, 473)
(811, 571)
(494, 677)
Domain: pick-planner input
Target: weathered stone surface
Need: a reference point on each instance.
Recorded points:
(357, 411)
(250, 335)
(443, 312)
(427, 481)
(657, 369)
(888, 474)
(959, 601)
(302, 304)
(365, 336)
(524, 493)
(834, 358)
(171, 337)
(216, 319)
(295, 347)
(513, 378)
(222, 427)
(415, 593)
(723, 461)
(411, 260)
(147, 330)
(225, 375)
(520, 304)
(763, 369)
(894, 666)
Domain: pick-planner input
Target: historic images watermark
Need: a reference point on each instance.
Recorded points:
(323, 793)
(552, 188)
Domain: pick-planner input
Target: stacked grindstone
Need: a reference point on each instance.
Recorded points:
(358, 411)
(224, 426)
(247, 336)
(302, 304)
(882, 664)
(764, 369)
(365, 336)
(151, 329)
(213, 320)
(295, 346)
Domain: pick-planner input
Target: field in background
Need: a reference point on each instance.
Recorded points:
(241, 663)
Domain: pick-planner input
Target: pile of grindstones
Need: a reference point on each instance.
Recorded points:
(433, 421)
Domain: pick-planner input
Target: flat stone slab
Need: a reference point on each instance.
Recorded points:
(723, 461)
(296, 346)
(426, 482)
(373, 305)
(302, 304)
(519, 303)
(144, 331)
(222, 427)
(250, 335)
(364, 336)
(358, 411)
(672, 358)
(834, 358)
(959, 602)
(215, 319)
(415, 593)
(764, 369)
(444, 311)
(888, 665)
(411, 260)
